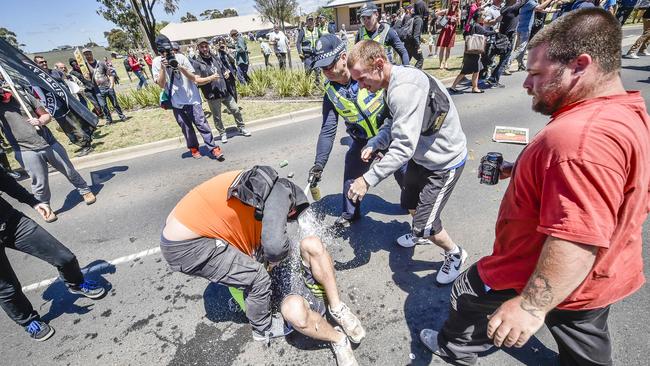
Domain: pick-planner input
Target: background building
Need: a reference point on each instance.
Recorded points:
(346, 11)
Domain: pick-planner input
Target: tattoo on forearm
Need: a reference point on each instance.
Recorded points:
(537, 295)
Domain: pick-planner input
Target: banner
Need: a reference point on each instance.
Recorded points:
(56, 98)
(81, 60)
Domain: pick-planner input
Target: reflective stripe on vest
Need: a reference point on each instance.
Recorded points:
(379, 37)
(347, 108)
(309, 39)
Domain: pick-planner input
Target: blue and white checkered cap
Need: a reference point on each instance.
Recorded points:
(327, 48)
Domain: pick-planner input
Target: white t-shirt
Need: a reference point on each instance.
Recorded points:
(184, 91)
(266, 49)
(280, 41)
(490, 13)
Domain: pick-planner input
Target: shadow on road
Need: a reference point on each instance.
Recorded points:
(63, 302)
(97, 180)
(215, 302)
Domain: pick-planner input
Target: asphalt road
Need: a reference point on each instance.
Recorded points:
(153, 316)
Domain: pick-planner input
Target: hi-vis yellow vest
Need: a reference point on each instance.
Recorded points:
(380, 37)
(309, 39)
(353, 112)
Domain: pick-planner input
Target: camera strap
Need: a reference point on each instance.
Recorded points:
(171, 83)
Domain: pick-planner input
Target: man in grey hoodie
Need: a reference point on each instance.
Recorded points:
(436, 156)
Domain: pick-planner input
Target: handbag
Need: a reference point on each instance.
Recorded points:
(442, 21)
(475, 44)
(165, 99)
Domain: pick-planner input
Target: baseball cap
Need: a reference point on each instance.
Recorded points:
(86, 50)
(201, 40)
(310, 17)
(367, 9)
(328, 47)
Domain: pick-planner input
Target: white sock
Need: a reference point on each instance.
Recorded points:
(456, 250)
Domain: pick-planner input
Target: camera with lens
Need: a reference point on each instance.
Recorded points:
(164, 48)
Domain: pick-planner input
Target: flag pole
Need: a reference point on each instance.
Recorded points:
(7, 78)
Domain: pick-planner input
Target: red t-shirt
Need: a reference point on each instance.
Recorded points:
(584, 178)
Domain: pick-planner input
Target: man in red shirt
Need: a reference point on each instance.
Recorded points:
(568, 234)
(136, 69)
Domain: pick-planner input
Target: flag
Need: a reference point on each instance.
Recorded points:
(56, 98)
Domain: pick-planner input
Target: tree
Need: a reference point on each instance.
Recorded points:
(118, 40)
(10, 37)
(277, 12)
(211, 14)
(189, 17)
(327, 12)
(230, 12)
(136, 16)
(160, 26)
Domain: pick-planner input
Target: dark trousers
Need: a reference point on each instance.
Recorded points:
(191, 115)
(266, 60)
(282, 60)
(414, 53)
(91, 97)
(109, 93)
(354, 168)
(582, 336)
(219, 262)
(503, 59)
(243, 70)
(308, 69)
(623, 13)
(73, 129)
(22, 234)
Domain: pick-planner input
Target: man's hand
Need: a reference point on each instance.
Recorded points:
(302, 57)
(164, 62)
(512, 325)
(358, 189)
(226, 74)
(315, 174)
(367, 154)
(44, 210)
(505, 171)
(34, 121)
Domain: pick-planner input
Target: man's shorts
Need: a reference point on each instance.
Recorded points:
(292, 277)
(427, 191)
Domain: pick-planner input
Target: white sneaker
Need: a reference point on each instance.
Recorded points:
(244, 132)
(350, 323)
(343, 352)
(224, 138)
(409, 240)
(451, 267)
(631, 55)
(644, 53)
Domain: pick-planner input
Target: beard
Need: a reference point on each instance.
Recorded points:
(551, 96)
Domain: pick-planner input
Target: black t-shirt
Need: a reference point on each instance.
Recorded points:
(510, 18)
(19, 133)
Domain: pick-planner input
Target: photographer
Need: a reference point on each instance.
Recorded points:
(180, 82)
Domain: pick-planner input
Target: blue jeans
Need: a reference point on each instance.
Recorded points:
(190, 116)
(143, 81)
(109, 93)
(520, 49)
(354, 168)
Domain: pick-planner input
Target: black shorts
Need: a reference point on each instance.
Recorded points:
(427, 191)
(292, 277)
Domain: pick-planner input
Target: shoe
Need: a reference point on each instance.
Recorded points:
(478, 92)
(195, 153)
(14, 175)
(124, 118)
(498, 85)
(521, 68)
(244, 132)
(343, 352)
(631, 55)
(644, 53)
(349, 322)
(409, 240)
(89, 289)
(85, 151)
(216, 152)
(39, 330)
(451, 267)
(454, 91)
(279, 328)
(224, 138)
(89, 198)
(507, 72)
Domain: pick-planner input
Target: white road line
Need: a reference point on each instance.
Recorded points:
(128, 258)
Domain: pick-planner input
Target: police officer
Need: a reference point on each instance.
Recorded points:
(361, 111)
(306, 45)
(381, 33)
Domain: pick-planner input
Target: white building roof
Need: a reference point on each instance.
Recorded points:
(336, 3)
(215, 27)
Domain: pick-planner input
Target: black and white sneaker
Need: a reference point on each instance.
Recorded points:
(279, 328)
(450, 269)
(39, 330)
(409, 240)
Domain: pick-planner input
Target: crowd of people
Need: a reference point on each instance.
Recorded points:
(568, 232)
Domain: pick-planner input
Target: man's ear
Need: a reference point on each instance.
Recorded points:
(581, 64)
(379, 64)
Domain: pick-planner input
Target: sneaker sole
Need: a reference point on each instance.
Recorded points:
(46, 337)
(94, 297)
(463, 258)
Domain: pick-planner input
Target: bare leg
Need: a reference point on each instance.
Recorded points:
(453, 86)
(315, 256)
(296, 311)
(447, 52)
(475, 82)
(441, 56)
(441, 239)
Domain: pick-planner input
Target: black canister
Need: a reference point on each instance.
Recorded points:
(490, 168)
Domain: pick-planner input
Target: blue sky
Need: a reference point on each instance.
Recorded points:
(42, 25)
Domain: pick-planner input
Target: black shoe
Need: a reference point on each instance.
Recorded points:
(521, 68)
(39, 330)
(85, 151)
(124, 118)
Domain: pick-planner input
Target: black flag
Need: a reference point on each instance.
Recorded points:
(56, 98)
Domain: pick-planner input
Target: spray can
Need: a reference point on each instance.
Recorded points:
(490, 168)
(284, 163)
(314, 189)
